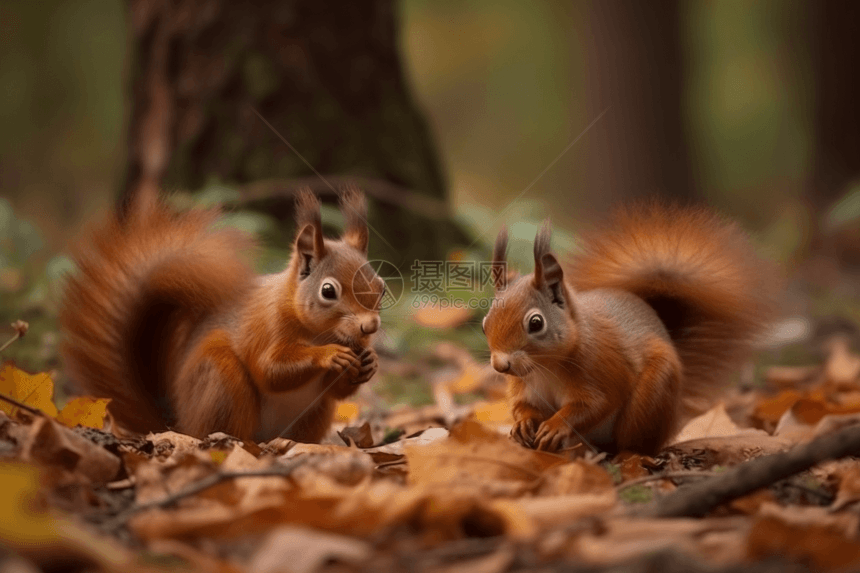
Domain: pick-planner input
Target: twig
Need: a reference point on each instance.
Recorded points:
(21, 328)
(665, 475)
(198, 487)
(697, 499)
(376, 188)
(21, 405)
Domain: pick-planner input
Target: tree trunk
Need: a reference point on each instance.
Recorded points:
(328, 79)
(634, 68)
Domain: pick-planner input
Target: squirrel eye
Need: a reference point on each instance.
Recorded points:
(328, 291)
(536, 323)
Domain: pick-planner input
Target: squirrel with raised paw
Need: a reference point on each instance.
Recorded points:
(630, 339)
(167, 319)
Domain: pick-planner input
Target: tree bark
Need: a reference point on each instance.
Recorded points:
(327, 77)
(635, 68)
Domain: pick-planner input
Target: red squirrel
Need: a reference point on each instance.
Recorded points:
(167, 319)
(632, 337)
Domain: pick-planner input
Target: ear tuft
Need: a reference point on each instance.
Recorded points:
(309, 239)
(542, 247)
(353, 205)
(500, 255)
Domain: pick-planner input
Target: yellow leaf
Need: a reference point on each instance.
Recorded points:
(21, 523)
(84, 411)
(493, 412)
(346, 412)
(36, 390)
(468, 381)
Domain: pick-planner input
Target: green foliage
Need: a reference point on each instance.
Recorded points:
(636, 494)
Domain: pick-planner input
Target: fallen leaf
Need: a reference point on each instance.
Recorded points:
(473, 456)
(493, 413)
(346, 412)
(712, 424)
(842, 366)
(52, 444)
(36, 390)
(84, 411)
(772, 409)
(303, 550)
(361, 436)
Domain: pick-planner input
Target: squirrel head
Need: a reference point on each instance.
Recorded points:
(337, 293)
(532, 320)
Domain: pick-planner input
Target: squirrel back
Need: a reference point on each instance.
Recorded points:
(635, 334)
(144, 283)
(699, 273)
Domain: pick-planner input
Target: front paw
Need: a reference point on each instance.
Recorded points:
(367, 368)
(551, 434)
(339, 359)
(523, 431)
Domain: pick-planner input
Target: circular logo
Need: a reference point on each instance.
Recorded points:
(366, 293)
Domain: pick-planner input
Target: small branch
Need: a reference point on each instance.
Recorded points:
(198, 487)
(21, 405)
(698, 499)
(666, 475)
(21, 328)
(378, 189)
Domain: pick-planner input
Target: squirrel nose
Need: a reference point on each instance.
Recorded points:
(369, 325)
(501, 362)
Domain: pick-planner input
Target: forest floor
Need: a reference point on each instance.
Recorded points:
(435, 484)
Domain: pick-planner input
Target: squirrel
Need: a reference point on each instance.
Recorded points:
(634, 334)
(166, 317)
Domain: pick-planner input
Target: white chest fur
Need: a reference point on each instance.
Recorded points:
(279, 411)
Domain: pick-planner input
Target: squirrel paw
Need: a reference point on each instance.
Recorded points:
(340, 358)
(552, 433)
(523, 432)
(368, 366)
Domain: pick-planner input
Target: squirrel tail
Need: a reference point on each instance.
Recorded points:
(702, 276)
(143, 281)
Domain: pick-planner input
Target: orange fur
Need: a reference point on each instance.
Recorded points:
(167, 319)
(700, 274)
(644, 325)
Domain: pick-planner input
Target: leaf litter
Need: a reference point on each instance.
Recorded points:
(431, 488)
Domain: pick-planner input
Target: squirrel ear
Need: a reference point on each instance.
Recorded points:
(542, 243)
(310, 246)
(353, 205)
(548, 272)
(500, 253)
(551, 278)
(309, 241)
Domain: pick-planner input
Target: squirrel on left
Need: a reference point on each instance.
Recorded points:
(165, 317)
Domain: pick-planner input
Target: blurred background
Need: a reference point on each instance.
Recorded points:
(456, 117)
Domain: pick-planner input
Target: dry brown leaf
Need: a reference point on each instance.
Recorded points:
(843, 366)
(295, 549)
(772, 409)
(473, 456)
(576, 477)
(820, 546)
(623, 539)
(712, 424)
(50, 443)
(361, 436)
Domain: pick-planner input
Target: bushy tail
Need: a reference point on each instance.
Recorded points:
(701, 275)
(143, 281)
